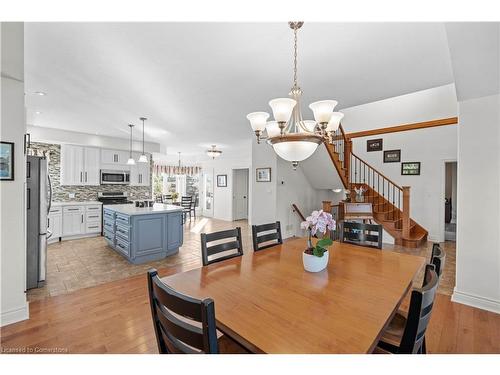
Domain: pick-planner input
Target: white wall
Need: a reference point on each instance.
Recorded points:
(263, 194)
(431, 146)
(59, 136)
(13, 305)
(475, 56)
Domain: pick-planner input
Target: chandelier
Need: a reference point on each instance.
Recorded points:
(213, 152)
(293, 138)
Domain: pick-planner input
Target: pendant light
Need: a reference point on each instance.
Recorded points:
(130, 160)
(213, 152)
(143, 158)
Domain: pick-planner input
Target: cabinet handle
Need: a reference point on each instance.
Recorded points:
(95, 226)
(73, 209)
(81, 176)
(85, 176)
(82, 219)
(48, 222)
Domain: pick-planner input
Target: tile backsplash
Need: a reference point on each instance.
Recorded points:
(82, 193)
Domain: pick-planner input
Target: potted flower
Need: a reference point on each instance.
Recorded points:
(315, 258)
(175, 196)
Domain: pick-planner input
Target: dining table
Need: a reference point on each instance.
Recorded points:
(268, 303)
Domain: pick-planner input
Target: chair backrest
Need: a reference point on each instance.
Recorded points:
(159, 199)
(438, 259)
(419, 313)
(176, 335)
(167, 198)
(186, 202)
(266, 233)
(361, 234)
(232, 248)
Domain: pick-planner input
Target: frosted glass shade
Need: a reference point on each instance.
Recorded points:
(309, 125)
(143, 159)
(282, 108)
(334, 122)
(295, 151)
(131, 161)
(322, 110)
(258, 120)
(273, 129)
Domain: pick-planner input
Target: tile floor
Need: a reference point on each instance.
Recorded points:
(77, 264)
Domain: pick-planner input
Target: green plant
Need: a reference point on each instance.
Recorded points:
(175, 195)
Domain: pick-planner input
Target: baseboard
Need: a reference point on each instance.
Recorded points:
(15, 315)
(476, 301)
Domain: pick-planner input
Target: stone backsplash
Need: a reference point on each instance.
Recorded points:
(82, 193)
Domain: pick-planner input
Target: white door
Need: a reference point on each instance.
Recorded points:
(110, 157)
(208, 194)
(72, 165)
(73, 222)
(240, 194)
(92, 164)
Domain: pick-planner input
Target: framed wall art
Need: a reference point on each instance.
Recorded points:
(6, 161)
(222, 180)
(374, 145)
(392, 156)
(410, 168)
(263, 174)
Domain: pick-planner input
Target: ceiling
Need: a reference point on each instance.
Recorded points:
(197, 81)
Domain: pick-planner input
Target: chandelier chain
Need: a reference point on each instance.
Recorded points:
(295, 59)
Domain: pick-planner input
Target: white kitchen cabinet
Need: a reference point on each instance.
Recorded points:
(55, 224)
(91, 165)
(113, 157)
(73, 221)
(80, 165)
(140, 174)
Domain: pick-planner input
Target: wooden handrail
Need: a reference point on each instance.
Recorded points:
(381, 175)
(296, 209)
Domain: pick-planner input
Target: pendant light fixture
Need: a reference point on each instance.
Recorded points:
(213, 152)
(143, 158)
(293, 138)
(130, 160)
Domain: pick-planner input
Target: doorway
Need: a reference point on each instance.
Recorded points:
(450, 201)
(208, 194)
(240, 194)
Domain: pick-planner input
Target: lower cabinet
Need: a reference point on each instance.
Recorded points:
(54, 224)
(73, 221)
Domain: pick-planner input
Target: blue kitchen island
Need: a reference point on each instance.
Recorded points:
(143, 234)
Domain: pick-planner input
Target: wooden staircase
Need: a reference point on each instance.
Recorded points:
(391, 202)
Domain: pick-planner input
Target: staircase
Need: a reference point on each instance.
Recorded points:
(391, 202)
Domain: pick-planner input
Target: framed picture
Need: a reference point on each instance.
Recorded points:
(392, 156)
(222, 180)
(263, 174)
(6, 161)
(374, 145)
(410, 168)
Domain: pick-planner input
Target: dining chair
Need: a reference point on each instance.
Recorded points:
(438, 259)
(407, 335)
(266, 233)
(158, 199)
(186, 203)
(369, 235)
(183, 324)
(167, 198)
(193, 207)
(231, 249)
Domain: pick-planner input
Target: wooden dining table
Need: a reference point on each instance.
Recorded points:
(268, 303)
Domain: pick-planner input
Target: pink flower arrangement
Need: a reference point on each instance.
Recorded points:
(319, 221)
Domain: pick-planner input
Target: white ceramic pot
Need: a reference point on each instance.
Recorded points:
(313, 263)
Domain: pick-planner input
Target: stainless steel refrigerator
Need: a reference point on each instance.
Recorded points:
(38, 200)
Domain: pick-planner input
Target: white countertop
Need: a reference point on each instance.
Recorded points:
(75, 203)
(131, 209)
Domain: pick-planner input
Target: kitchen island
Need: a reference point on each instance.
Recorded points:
(143, 234)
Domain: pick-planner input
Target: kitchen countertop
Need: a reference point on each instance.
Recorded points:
(130, 209)
(75, 203)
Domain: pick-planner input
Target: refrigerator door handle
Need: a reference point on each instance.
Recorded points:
(50, 193)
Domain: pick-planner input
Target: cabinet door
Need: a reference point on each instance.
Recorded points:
(72, 165)
(92, 165)
(134, 175)
(73, 223)
(110, 157)
(145, 172)
(55, 225)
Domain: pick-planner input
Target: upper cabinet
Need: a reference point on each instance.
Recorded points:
(112, 158)
(140, 173)
(80, 165)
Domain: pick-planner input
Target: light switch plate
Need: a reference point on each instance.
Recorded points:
(71, 195)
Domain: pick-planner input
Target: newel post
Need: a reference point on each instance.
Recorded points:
(347, 157)
(406, 211)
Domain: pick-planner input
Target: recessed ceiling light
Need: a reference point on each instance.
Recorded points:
(37, 112)
(41, 93)
(337, 190)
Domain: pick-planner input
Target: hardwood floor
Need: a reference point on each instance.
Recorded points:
(114, 316)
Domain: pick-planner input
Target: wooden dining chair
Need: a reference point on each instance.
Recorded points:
(407, 336)
(438, 259)
(186, 203)
(183, 324)
(369, 235)
(266, 233)
(230, 249)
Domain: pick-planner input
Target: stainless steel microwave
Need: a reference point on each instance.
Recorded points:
(112, 177)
